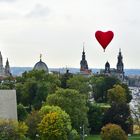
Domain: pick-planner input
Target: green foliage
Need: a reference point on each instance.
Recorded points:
(119, 114)
(12, 130)
(100, 85)
(33, 88)
(64, 78)
(80, 83)
(32, 121)
(136, 119)
(116, 95)
(22, 113)
(55, 124)
(7, 83)
(73, 103)
(95, 116)
(74, 135)
(128, 92)
(113, 132)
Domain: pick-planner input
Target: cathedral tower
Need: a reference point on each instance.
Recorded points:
(83, 63)
(7, 69)
(4, 72)
(1, 65)
(107, 67)
(120, 66)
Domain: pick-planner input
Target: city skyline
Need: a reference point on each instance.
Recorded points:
(57, 30)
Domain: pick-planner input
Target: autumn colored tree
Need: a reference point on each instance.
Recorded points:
(55, 124)
(116, 95)
(113, 132)
(100, 85)
(119, 114)
(73, 103)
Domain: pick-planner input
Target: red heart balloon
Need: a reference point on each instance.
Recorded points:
(104, 38)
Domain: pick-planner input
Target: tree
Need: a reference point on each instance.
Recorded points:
(116, 95)
(100, 85)
(119, 114)
(34, 86)
(95, 117)
(22, 113)
(128, 92)
(64, 78)
(80, 83)
(135, 110)
(32, 121)
(12, 130)
(113, 132)
(55, 124)
(73, 103)
(7, 83)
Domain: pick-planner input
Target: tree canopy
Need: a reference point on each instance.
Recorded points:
(73, 103)
(55, 124)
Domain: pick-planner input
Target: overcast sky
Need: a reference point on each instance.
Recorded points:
(57, 29)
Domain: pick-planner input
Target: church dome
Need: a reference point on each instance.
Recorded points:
(41, 66)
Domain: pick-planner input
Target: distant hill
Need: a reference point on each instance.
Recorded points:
(16, 71)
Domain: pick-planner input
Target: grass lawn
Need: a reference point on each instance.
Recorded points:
(97, 137)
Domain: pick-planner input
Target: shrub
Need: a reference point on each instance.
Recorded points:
(12, 130)
(113, 132)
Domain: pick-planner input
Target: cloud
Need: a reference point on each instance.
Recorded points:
(7, 0)
(8, 15)
(38, 11)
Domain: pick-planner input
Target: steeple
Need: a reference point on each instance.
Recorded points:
(1, 65)
(1, 60)
(83, 53)
(7, 68)
(120, 65)
(83, 63)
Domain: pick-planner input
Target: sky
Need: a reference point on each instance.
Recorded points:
(57, 29)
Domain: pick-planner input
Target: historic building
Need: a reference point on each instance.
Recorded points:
(41, 66)
(4, 71)
(84, 65)
(118, 72)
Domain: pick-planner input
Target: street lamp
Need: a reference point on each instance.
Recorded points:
(82, 132)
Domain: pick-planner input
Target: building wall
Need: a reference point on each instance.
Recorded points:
(8, 104)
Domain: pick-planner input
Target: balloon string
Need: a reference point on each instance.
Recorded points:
(104, 50)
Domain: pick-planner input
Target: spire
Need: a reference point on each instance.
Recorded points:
(7, 68)
(40, 57)
(119, 50)
(83, 62)
(120, 62)
(7, 62)
(1, 60)
(0, 54)
(83, 46)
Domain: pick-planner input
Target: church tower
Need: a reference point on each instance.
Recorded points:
(83, 63)
(120, 66)
(107, 67)
(1, 65)
(7, 69)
